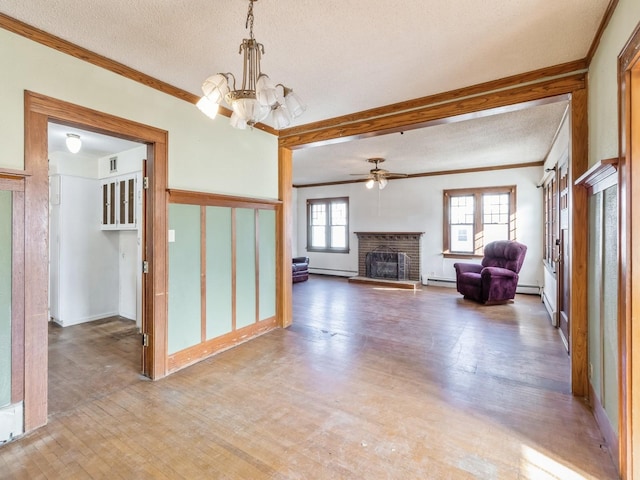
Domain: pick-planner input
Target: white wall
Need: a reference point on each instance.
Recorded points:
(84, 273)
(415, 205)
(204, 155)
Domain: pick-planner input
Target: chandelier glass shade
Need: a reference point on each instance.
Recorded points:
(257, 96)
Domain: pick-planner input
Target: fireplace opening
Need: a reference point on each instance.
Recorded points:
(386, 263)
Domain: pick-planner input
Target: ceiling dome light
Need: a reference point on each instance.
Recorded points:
(73, 142)
(258, 96)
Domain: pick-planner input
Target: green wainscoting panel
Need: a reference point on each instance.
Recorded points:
(595, 291)
(184, 328)
(267, 266)
(245, 267)
(5, 295)
(219, 271)
(610, 304)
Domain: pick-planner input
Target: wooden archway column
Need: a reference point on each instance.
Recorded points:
(629, 258)
(526, 90)
(39, 110)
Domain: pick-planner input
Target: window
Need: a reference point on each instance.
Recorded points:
(328, 225)
(475, 217)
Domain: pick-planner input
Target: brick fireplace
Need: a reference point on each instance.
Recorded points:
(407, 243)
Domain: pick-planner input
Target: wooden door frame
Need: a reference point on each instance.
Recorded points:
(39, 110)
(629, 257)
(472, 102)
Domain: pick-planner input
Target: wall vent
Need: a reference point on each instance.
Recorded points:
(113, 164)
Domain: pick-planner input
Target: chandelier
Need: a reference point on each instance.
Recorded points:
(257, 97)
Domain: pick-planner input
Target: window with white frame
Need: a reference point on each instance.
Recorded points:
(475, 217)
(328, 225)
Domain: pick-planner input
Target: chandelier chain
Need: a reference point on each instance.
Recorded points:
(249, 23)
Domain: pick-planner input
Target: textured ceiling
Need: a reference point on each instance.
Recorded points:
(340, 56)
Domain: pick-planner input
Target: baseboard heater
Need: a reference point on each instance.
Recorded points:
(333, 271)
(451, 283)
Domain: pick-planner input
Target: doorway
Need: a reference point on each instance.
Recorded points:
(39, 111)
(95, 264)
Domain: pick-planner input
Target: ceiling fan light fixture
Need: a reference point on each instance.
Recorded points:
(258, 96)
(382, 182)
(74, 143)
(370, 183)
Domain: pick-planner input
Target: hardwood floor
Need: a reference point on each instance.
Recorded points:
(91, 360)
(367, 383)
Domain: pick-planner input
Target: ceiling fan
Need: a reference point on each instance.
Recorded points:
(379, 175)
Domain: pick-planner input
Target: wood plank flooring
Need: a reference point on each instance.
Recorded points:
(368, 383)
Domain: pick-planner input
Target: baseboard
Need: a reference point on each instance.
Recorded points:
(451, 283)
(77, 321)
(11, 422)
(552, 313)
(610, 436)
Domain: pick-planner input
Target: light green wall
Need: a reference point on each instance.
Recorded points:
(184, 278)
(245, 267)
(603, 82)
(610, 304)
(5, 297)
(267, 267)
(219, 271)
(204, 155)
(603, 143)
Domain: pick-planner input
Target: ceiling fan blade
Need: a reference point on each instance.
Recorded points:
(392, 174)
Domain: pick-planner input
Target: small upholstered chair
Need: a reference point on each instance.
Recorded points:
(300, 269)
(495, 280)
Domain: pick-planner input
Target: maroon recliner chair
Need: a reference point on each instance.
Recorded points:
(496, 279)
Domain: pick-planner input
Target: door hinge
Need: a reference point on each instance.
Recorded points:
(145, 182)
(145, 267)
(145, 339)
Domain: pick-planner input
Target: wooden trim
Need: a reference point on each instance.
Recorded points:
(199, 352)
(284, 233)
(217, 200)
(603, 25)
(628, 267)
(477, 90)
(13, 184)
(40, 36)
(13, 173)
(234, 259)
(203, 273)
(434, 174)
(600, 176)
(36, 254)
(578, 245)
(426, 115)
(256, 252)
(17, 298)
(39, 110)
(610, 436)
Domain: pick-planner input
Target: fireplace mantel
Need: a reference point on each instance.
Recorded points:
(388, 233)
